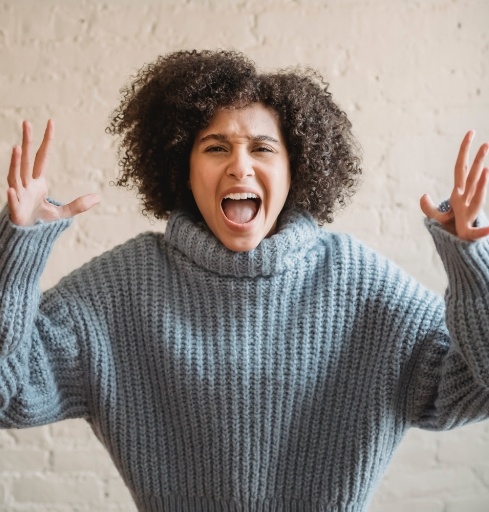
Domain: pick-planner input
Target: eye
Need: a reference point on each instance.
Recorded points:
(263, 149)
(214, 149)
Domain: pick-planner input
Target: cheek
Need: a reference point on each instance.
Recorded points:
(203, 187)
(284, 180)
(194, 179)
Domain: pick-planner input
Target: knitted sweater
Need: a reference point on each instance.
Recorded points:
(281, 379)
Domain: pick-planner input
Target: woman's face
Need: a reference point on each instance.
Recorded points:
(240, 175)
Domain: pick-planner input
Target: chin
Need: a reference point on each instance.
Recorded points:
(237, 245)
(244, 238)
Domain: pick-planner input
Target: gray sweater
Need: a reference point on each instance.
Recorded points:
(280, 379)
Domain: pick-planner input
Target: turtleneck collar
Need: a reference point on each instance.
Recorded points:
(296, 233)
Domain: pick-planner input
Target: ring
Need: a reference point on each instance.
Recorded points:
(444, 206)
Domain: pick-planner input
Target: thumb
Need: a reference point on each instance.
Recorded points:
(79, 205)
(431, 210)
(428, 207)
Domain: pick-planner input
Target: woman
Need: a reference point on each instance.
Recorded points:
(246, 359)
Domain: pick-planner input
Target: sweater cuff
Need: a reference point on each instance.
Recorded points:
(466, 262)
(25, 249)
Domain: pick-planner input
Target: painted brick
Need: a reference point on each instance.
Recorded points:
(463, 446)
(416, 444)
(468, 504)
(72, 433)
(23, 459)
(6, 439)
(412, 505)
(434, 482)
(117, 492)
(82, 460)
(35, 437)
(50, 488)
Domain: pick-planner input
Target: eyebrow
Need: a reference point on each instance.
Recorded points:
(224, 138)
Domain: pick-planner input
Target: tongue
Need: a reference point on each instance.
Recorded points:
(240, 211)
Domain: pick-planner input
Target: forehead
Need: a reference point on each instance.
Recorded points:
(255, 119)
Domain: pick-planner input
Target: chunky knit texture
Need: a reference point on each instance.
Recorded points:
(281, 379)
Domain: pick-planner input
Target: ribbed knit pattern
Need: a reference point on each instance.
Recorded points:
(281, 379)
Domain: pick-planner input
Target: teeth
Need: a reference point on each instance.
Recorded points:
(244, 195)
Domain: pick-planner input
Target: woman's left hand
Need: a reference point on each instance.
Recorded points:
(468, 196)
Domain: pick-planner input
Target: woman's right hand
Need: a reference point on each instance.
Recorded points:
(28, 188)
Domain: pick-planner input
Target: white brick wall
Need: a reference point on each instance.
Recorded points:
(413, 76)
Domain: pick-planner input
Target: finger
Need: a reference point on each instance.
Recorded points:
(13, 178)
(475, 173)
(461, 165)
(479, 197)
(43, 151)
(79, 205)
(12, 199)
(13, 206)
(430, 209)
(25, 163)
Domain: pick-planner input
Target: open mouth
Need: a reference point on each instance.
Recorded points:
(240, 208)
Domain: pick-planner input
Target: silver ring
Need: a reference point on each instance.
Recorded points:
(445, 206)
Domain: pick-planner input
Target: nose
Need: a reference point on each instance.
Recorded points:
(240, 165)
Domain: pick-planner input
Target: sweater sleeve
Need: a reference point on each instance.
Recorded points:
(450, 382)
(40, 370)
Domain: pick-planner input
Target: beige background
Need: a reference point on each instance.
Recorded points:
(413, 77)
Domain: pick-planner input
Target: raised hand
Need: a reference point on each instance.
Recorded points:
(468, 196)
(28, 186)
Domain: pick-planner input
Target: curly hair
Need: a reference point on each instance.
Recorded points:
(173, 98)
